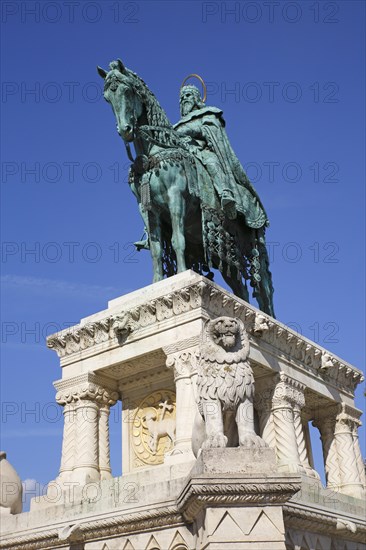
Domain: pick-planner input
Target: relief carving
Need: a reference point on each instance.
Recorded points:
(153, 428)
(225, 388)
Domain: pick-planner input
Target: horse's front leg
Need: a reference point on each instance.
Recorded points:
(153, 226)
(177, 207)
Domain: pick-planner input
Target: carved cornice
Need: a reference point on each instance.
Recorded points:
(320, 521)
(88, 386)
(226, 491)
(264, 330)
(123, 324)
(296, 347)
(81, 337)
(98, 529)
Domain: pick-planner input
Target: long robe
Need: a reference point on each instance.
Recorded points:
(207, 128)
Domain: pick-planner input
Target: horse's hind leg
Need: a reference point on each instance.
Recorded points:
(264, 291)
(156, 247)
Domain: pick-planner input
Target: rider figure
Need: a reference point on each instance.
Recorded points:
(210, 144)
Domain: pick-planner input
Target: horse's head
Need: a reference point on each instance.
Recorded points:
(120, 92)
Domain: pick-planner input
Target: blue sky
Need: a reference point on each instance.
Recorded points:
(290, 79)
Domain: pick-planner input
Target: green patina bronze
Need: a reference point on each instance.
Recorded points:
(199, 208)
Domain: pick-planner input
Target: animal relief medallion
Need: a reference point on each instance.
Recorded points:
(153, 429)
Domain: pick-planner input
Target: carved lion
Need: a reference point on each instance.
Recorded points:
(225, 388)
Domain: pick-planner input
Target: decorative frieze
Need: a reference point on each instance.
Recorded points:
(126, 325)
(219, 492)
(303, 518)
(97, 528)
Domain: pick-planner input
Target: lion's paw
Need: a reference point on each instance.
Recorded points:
(214, 441)
(252, 440)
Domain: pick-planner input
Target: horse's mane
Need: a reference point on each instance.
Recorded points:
(155, 113)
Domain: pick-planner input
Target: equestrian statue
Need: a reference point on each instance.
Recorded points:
(200, 210)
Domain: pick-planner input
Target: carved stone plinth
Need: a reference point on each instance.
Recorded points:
(175, 353)
(234, 498)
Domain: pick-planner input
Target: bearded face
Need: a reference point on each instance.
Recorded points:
(188, 102)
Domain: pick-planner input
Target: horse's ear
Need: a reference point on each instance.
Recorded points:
(101, 72)
(121, 66)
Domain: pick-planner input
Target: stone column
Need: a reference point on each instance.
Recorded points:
(104, 446)
(184, 364)
(69, 439)
(279, 401)
(356, 445)
(86, 466)
(287, 451)
(85, 448)
(264, 388)
(326, 427)
(346, 426)
(299, 403)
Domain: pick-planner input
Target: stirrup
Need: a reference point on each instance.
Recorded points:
(142, 245)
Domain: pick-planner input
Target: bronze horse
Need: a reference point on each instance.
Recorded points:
(186, 226)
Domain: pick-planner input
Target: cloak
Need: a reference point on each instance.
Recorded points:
(212, 128)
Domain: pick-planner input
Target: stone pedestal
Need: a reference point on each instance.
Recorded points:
(234, 498)
(146, 349)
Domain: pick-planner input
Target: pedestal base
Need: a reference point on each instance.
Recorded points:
(234, 499)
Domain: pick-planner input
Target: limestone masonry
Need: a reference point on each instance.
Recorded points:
(198, 368)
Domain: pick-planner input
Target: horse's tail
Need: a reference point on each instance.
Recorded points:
(261, 275)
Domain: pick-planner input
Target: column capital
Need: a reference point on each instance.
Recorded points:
(288, 391)
(340, 414)
(348, 416)
(88, 386)
(183, 363)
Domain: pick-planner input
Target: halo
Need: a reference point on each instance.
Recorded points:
(202, 82)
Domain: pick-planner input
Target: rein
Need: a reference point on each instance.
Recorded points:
(162, 136)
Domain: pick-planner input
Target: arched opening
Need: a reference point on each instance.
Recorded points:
(315, 450)
(115, 421)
